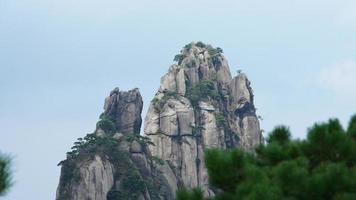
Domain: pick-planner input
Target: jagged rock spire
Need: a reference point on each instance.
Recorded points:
(114, 162)
(198, 106)
(124, 108)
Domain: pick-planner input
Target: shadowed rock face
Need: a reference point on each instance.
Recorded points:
(125, 108)
(199, 106)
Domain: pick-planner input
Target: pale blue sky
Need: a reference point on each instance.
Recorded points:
(60, 58)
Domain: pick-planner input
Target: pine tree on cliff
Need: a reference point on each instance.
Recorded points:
(321, 167)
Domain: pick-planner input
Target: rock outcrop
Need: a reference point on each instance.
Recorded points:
(95, 179)
(125, 108)
(199, 106)
(114, 161)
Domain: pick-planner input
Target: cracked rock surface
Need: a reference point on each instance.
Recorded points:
(198, 106)
(115, 163)
(182, 124)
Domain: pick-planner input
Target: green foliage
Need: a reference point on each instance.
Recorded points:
(169, 93)
(153, 187)
(86, 148)
(200, 44)
(159, 103)
(352, 127)
(207, 88)
(5, 174)
(196, 130)
(69, 175)
(219, 50)
(143, 140)
(179, 58)
(158, 160)
(114, 195)
(106, 124)
(215, 60)
(220, 120)
(132, 184)
(195, 194)
(191, 64)
(201, 91)
(280, 134)
(212, 51)
(321, 167)
(188, 46)
(214, 54)
(155, 100)
(91, 144)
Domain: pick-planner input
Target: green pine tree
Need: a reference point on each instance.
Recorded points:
(5, 176)
(321, 167)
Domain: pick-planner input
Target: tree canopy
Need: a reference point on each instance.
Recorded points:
(5, 175)
(320, 167)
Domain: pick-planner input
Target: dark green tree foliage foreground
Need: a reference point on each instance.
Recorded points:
(321, 167)
(5, 178)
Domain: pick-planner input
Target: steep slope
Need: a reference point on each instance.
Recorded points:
(113, 162)
(199, 106)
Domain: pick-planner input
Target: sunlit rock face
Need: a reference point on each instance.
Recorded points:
(199, 106)
(114, 163)
(96, 180)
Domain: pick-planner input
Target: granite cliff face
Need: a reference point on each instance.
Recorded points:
(114, 161)
(197, 106)
(125, 109)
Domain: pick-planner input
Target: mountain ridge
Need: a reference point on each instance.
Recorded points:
(198, 105)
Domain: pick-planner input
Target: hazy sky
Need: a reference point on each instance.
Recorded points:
(59, 59)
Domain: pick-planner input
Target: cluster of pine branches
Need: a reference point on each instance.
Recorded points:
(320, 167)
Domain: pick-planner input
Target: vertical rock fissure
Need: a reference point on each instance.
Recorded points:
(197, 139)
(179, 140)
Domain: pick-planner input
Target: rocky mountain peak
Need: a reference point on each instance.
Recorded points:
(196, 62)
(199, 106)
(113, 162)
